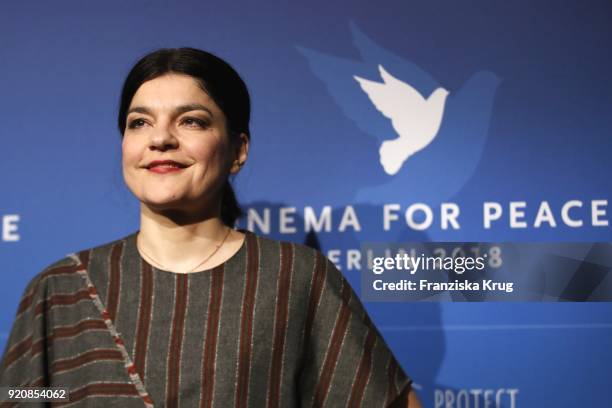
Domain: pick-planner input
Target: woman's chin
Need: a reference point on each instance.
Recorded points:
(164, 203)
(179, 205)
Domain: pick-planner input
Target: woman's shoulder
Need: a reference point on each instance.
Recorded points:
(61, 275)
(39, 284)
(298, 253)
(83, 255)
(306, 263)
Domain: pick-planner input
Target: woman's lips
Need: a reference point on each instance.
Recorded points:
(162, 169)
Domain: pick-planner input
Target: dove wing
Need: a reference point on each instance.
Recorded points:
(402, 87)
(396, 100)
(383, 96)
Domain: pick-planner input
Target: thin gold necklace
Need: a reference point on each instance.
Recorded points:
(195, 267)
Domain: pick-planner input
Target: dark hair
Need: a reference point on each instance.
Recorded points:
(217, 78)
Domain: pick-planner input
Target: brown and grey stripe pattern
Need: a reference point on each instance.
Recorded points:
(277, 325)
(112, 296)
(120, 353)
(246, 323)
(363, 372)
(209, 345)
(143, 324)
(333, 350)
(280, 325)
(176, 341)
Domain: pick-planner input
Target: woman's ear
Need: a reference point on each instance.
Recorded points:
(241, 153)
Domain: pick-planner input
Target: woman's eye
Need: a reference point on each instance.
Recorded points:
(136, 123)
(195, 122)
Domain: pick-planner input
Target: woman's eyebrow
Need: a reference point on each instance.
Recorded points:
(191, 107)
(139, 109)
(178, 110)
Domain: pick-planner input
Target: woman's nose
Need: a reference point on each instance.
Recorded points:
(163, 138)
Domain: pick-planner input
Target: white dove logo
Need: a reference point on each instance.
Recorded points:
(415, 119)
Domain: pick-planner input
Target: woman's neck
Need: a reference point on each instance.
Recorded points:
(177, 242)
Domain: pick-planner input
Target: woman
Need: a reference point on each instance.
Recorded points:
(187, 311)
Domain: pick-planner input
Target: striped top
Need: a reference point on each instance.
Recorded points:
(276, 325)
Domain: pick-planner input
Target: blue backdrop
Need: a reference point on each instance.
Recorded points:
(526, 121)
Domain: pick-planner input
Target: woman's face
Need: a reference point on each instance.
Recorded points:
(172, 118)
